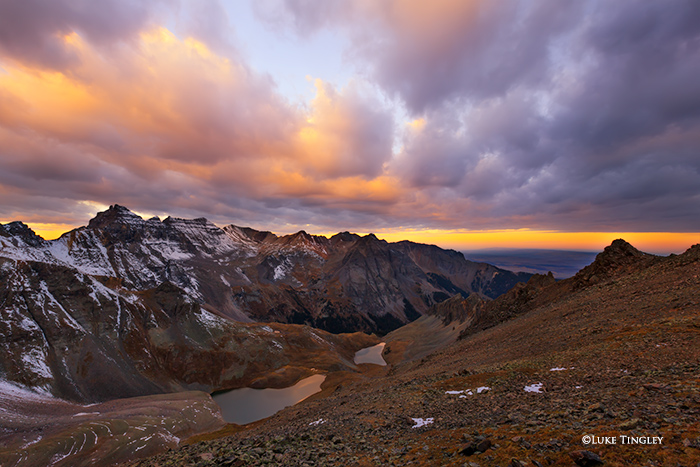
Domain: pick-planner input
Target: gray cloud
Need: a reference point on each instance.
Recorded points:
(31, 30)
(604, 134)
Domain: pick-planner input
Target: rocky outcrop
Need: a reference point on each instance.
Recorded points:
(617, 258)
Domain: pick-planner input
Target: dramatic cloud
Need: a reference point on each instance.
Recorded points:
(463, 115)
(31, 31)
(541, 114)
(166, 124)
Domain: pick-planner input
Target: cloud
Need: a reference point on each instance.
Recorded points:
(546, 114)
(167, 124)
(429, 53)
(346, 134)
(32, 31)
(466, 114)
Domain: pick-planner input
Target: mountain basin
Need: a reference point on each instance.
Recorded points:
(371, 355)
(246, 405)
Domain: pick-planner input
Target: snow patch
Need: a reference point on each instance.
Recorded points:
(209, 320)
(469, 392)
(27, 324)
(317, 422)
(169, 250)
(277, 345)
(35, 361)
(536, 388)
(69, 319)
(32, 442)
(419, 422)
(10, 390)
(280, 272)
(317, 338)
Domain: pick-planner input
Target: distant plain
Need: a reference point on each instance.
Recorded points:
(562, 263)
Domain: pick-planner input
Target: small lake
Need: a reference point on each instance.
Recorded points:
(371, 355)
(246, 405)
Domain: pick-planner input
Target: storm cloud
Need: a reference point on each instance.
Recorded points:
(463, 115)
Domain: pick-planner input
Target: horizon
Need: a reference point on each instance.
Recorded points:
(660, 243)
(464, 124)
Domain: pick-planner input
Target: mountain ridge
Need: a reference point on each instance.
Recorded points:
(234, 268)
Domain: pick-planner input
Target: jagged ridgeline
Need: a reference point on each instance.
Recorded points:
(345, 283)
(153, 306)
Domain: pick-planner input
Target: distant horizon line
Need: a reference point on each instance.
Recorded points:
(465, 240)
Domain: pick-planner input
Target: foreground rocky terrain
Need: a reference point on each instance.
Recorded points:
(614, 351)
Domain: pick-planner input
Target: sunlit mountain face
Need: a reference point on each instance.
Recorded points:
(466, 124)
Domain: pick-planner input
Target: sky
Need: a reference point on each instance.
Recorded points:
(463, 123)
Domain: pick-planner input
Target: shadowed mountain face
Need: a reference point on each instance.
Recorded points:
(87, 338)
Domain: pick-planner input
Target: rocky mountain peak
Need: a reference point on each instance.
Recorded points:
(344, 237)
(248, 234)
(301, 237)
(693, 252)
(22, 231)
(616, 257)
(618, 253)
(115, 214)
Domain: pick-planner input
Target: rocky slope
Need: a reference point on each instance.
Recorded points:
(618, 356)
(38, 430)
(87, 338)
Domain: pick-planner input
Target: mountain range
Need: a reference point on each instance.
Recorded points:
(344, 283)
(127, 307)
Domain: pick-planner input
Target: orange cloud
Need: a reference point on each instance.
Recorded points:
(346, 134)
(169, 119)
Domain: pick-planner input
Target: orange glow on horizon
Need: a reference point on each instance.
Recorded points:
(651, 242)
(49, 231)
